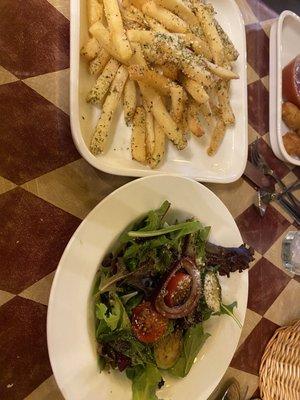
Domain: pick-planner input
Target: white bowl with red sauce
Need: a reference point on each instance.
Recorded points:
(284, 78)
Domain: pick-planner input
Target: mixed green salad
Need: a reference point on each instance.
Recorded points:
(152, 294)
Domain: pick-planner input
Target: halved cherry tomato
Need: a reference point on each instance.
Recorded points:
(147, 324)
(178, 289)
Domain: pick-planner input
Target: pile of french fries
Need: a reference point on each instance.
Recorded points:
(172, 64)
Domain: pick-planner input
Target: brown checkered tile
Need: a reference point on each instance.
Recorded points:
(35, 135)
(258, 107)
(260, 232)
(266, 282)
(23, 348)
(33, 235)
(258, 49)
(34, 38)
(248, 356)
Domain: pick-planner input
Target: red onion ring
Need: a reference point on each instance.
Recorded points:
(187, 307)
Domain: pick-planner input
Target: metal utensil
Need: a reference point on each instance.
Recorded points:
(233, 392)
(258, 159)
(265, 197)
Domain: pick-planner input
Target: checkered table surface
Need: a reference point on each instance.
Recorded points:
(46, 189)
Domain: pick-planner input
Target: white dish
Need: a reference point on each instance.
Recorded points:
(284, 47)
(70, 332)
(229, 163)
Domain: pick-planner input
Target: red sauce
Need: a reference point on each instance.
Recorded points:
(291, 82)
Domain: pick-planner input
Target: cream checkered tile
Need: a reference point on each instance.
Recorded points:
(39, 291)
(6, 76)
(267, 24)
(251, 320)
(76, 187)
(248, 15)
(285, 308)
(265, 80)
(5, 297)
(5, 185)
(251, 75)
(53, 86)
(274, 252)
(48, 390)
(62, 6)
(252, 134)
(236, 190)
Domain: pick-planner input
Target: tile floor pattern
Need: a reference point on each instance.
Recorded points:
(46, 189)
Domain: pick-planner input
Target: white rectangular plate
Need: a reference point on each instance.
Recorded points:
(193, 162)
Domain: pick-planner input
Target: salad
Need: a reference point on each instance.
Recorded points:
(152, 294)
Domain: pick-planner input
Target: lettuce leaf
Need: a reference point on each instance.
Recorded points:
(145, 381)
(112, 318)
(193, 340)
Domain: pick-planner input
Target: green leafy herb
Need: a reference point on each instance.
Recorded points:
(190, 226)
(114, 317)
(193, 340)
(145, 381)
(229, 310)
(124, 342)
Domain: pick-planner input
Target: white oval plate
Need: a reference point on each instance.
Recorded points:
(226, 166)
(70, 332)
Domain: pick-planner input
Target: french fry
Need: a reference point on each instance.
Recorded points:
(115, 23)
(231, 54)
(97, 64)
(170, 71)
(188, 62)
(101, 133)
(137, 3)
(138, 138)
(196, 90)
(138, 56)
(94, 11)
(169, 20)
(140, 36)
(179, 8)
(99, 31)
(154, 55)
(150, 138)
(194, 124)
(155, 25)
(133, 18)
(97, 93)
(159, 146)
(221, 72)
(178, 101)
(224, 103)
(210, 31)
(90, 49)
(199, 45)
(206, 111)
(162, 116)
(150, 78)
(130, 100)
(217, 138)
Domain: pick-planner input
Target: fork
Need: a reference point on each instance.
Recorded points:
(258, 159)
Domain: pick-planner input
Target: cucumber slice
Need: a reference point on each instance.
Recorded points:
(212, 291)
(168, 350)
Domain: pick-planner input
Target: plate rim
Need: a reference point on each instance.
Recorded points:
(135, 172)
(50, 309)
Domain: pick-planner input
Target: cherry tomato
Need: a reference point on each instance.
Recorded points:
(178, 289)
(147, 324)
